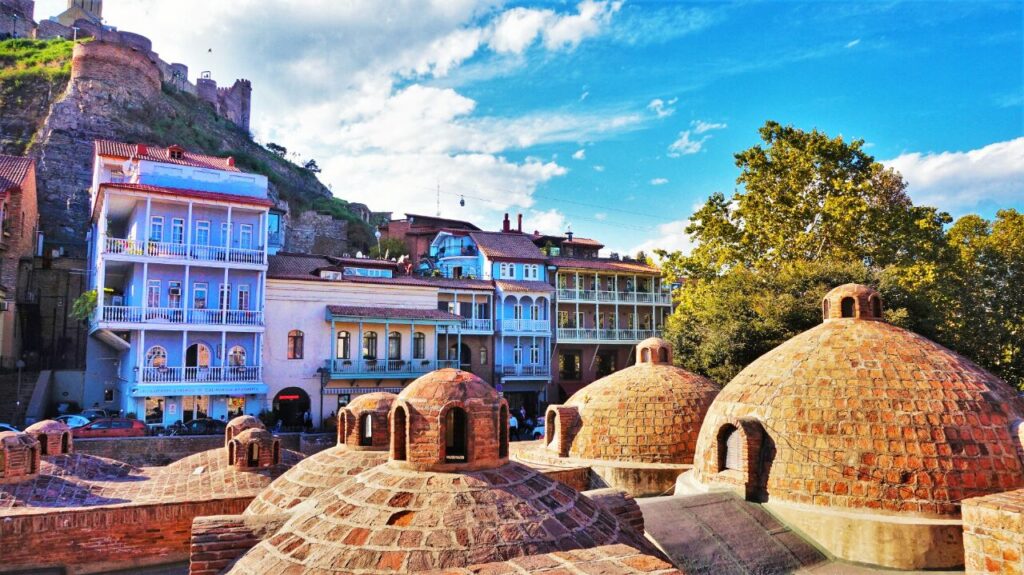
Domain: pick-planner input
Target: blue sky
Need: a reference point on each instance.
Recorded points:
(614, 118)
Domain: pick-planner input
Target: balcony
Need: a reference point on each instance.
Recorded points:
(470, 326)
(601, 296)
(176, 251)
(397, 368)
(525, 325)
(593, 335)
(179, 316)
(231, 374)
(524, 370)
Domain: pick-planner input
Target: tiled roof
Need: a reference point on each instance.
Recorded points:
(562, 240)
(295, 266)
(602, 264)
(507, 246)
(523, 286)
(583, 242)
(186, 193)
(305, 267)
(13, 170)
(159, 154)
(391, 313)
(415, 217)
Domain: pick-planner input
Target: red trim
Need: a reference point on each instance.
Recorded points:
(198, 194)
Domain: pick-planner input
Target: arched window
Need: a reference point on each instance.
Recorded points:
(65, 442)
(156, 357)
(296, 344)
(365, 430)
(645, 355)
(344, 345)
(455, 436)
(876, 307)
(419, 345)
(370, 345)
(825, 308)
(394, 345)
(254, 455)
(398, 435)
(847, 307)
(236, 357)
(503, 431)
(730, 449)
(663, 355)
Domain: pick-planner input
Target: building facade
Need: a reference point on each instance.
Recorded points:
(178, 260)
(19, 224)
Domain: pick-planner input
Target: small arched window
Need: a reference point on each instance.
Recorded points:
(398, 435)
(370, 345)
(236, 357)
(419, 345)
(365, 430)
(156, 357)
(296, 344)
(456, 436)
(254, 455)
(848, 307)
(730, 449)
(65, 442)
(824, 309)
(344, 345)
(645, 355)
(483, 355)
(663, 355)
(394, 345)
(43, 447)
(876, 306)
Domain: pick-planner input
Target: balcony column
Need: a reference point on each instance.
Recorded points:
(148, 226)
(576, 285)
(360, 360)
(184, 352)
(519, 346)
(262, 236)
(387, 343)
(140, 356)
(145, 289)
(186, 303)
(333, 345)
(101, 263)
(225, 296)
(412, 344)
(227, 240)
(223, 352)
(188, 231)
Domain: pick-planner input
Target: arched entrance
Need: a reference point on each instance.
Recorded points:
(290, 404)
(463, 354)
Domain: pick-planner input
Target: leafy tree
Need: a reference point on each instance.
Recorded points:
(312, 166)
(277, 149)
(392, 248)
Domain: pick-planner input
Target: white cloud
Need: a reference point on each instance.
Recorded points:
(662, 108)
(700, 126)
(669, 236)
(584, 95)
(598, 168)
(686, 144)
(516, 29)
(962, 181)
(659, 181)
(600, 216)
(579, 154)
(546, 222)
(568, 31)
(853, 43)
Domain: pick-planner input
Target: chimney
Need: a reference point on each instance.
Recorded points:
(141, 149)
(231, 161)
(505, 225)
(520, 226)
(568, 235)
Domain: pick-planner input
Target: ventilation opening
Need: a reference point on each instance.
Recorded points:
(44, 449)
(33, 460)
(65, 442)
(663, 355)
(876, 307)
(825, 309)
(645, 355)
(401, 518)
(398, 435)
(253, 455)
(277, 452)
(730, 448)
(848, 307)
(365, 430)
(455, 436)
(549, 428)
(231, 453)
(503, 431)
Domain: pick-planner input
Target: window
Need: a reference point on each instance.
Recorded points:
(174, 294)
(156, 357)
(419, 345)
(365, 430)
(236, 357)
(370, 345)
(455, 440)
(177, 231)
(730, 449)
(245, 236)
(224, 234)
(506, 271)
(534, 311)
(483, 356)
(825, 308)
(153, 293)
(606, 361)
(273, 222)
(344, 345)
(394, 345)
(569, 365)
(531, 272)
(847, 307)
(517, 311)
(156, 229)
(563, 319)
(295, 344)
(483, 310)
(202, 233)
(154, 410)
(535, 355)
(175, 153)
(243, 297)
(398, 437)
(517, 354)
(579, 320)
(199, 296)
(225, 297)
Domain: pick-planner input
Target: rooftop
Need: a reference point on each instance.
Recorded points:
(377, 312)
(602, 264)
(507, 246)
(13, 170)
(159, 154)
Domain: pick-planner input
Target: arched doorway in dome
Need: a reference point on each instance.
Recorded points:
(290, 405)
(456, 436)
(745, 456)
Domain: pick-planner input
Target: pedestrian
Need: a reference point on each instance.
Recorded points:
(522, 413)
(307, 421)
(513, 427)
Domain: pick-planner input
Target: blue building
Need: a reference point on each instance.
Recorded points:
(178, 256)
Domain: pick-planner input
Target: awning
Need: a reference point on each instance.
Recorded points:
(178, 389)
(359, 390)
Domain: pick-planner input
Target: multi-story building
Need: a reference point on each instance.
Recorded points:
(178, 258)
(418, 233)
(18, 238)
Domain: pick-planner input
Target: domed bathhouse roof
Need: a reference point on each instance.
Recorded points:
(19, 456)
(363, 439)
(636, 429)
(239, 424)
(447, 497)
(864, 435)
(54, 437)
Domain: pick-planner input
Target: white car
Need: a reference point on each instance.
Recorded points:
(73, 421)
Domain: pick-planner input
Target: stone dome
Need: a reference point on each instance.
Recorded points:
(54, 437)
(650, 412)
(449, 420)
(363, 423)
(858, 414)
(254, 449)
(239, 424)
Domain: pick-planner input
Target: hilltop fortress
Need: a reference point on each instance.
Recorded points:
(122, 56)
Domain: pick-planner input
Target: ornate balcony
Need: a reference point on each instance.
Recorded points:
(177, 315)
(524, 325)
(396, 368)
(601, 296)
(230, 374)
(594, 335)
(141, 249)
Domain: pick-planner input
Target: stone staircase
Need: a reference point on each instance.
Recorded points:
(9, 412)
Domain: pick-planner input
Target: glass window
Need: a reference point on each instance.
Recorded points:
(483, 356)
(535, 311)
(394, 345)
(153, 293)
(154, 410)
(202, 233)
(243, 297)
(223, 233)
(156, 357)
(174, 294)
(199, 296)
(178, 231)
(225, 296)
(535, 355)
(419, 346)
(156, 229)
(569, 365)
(295, 344)
(563, 319)
(236, 357)
(245, 236)
(517, 311)
(236, 405)
(370, 345)
(344, 345)
(517, 355)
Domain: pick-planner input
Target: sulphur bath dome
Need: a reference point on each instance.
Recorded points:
(447, 497)
(865, 435)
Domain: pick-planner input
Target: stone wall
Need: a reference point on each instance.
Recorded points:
(16, 19)
(994, 533)
(123, 71)
(106, 538)
(158, 451)
(312, 233)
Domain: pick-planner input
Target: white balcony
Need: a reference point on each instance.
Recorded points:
(588, 335)
(143, 250)
(525, 325)
(230, 374)
(529, 370)
(157, 316)
(357, 369)
(604, 296)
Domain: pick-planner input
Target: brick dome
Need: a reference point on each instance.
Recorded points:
(363, 423)
(649, 413)
(54, 437)
(19, 456)
(392, 519)
(254, 449)
(449, 420)
(862, 415)
(239, 424)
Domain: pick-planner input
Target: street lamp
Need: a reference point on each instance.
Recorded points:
(20, 364)
(325, 378)
(376, 234)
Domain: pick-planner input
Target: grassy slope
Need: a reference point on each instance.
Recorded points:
(32, 74)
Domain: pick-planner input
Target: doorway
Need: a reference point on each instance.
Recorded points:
(197, 362)
(290, 405)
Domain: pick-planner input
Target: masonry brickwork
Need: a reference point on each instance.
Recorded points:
(994, 534)
(310, 232)
(17, 246)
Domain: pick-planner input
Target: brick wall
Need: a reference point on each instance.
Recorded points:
(19, 242)
(994, 533)
(109, 538)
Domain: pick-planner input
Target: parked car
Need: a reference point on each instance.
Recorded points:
(111, 427)
(94, 414)
(7, 427)
(203, 426)
(73, 421)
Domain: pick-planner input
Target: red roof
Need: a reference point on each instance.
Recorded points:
(186, 193)
(507, 246)
(375, 312)
(306, 267)
(159, 154)
(523, 286)
(603, 264)
(13, 171)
